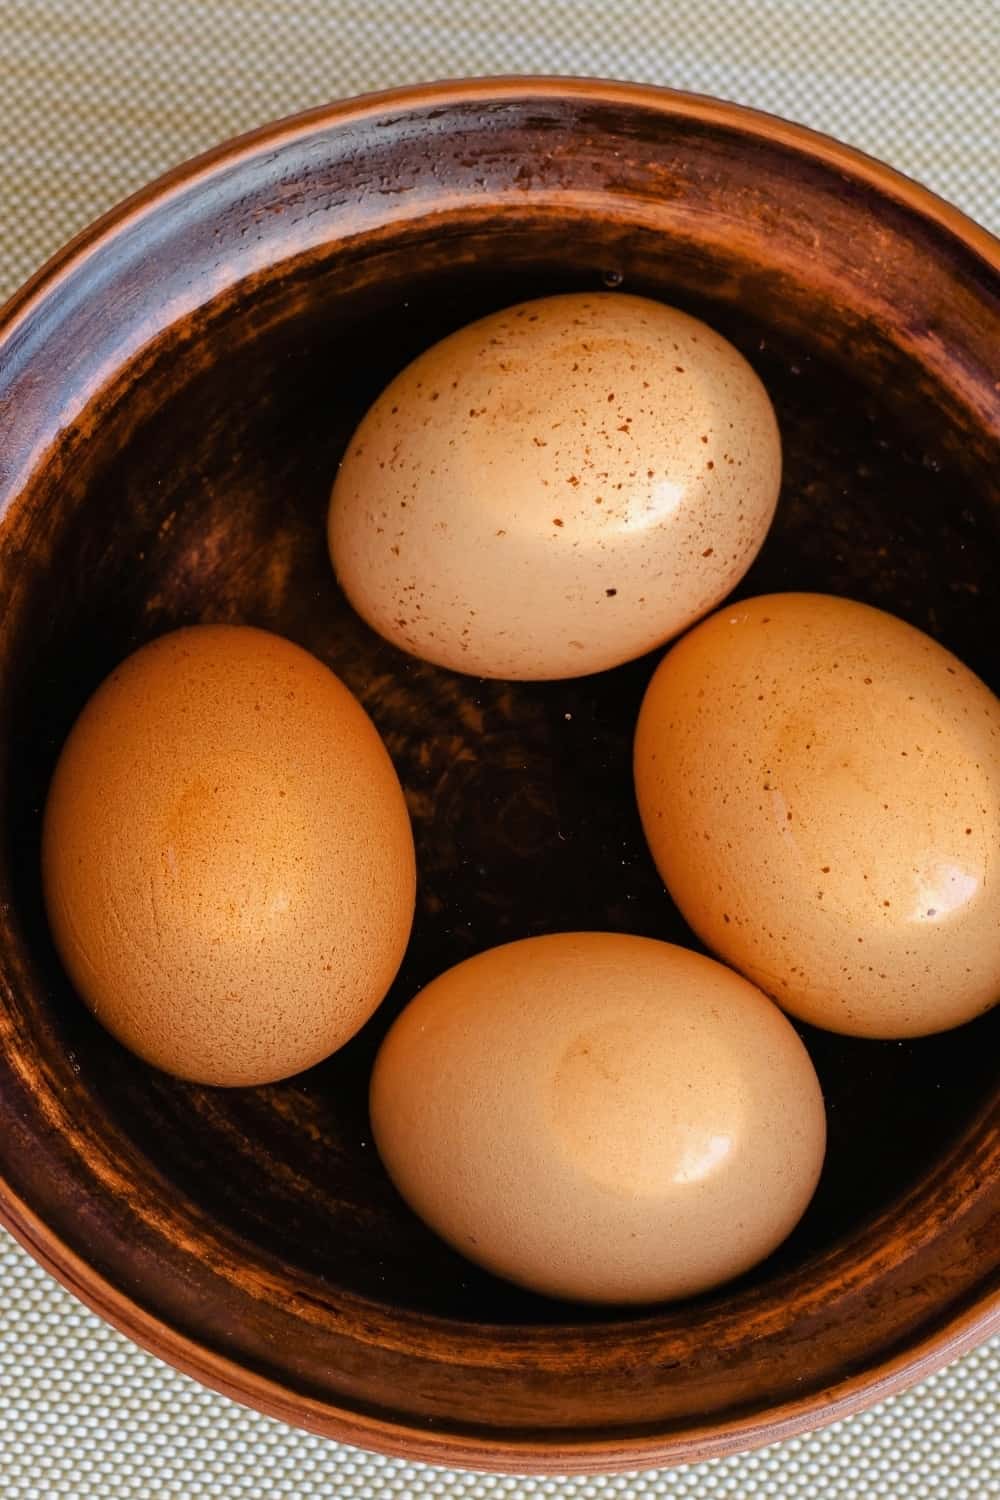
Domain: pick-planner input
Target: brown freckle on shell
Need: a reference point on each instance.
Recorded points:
(886, 903)
(394, 550)
(710, 464)
(968, 830)
(573, 479)
(708, 552)
(725, 917)
(501, 532)
(611, 395)
(598, 499)
(704, 437)
(824, 869)
(557, 521)
(679, 369)
(610, 593)
(868, 683)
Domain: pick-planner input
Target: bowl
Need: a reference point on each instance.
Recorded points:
(175, 389)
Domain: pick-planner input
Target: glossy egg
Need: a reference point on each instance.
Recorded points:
(227, 857)
(600, 1117)
(556, 488)
(819, 783)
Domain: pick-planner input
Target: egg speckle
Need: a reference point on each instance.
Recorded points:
(819, 783)
(600, 1117)
(227, 857)
(556, 488)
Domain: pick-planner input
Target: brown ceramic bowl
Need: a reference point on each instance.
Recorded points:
(175, 389)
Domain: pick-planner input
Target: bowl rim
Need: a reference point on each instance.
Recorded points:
(692, 1443)
(678, 103)
(566, 1454)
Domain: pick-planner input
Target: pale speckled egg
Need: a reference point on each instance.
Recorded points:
(819, 783)
(600, 1117)
(556, 488)
(227, 857)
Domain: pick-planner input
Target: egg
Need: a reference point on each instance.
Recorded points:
(600, 1117)
(556, 488)
(227, 858)
(819, 783)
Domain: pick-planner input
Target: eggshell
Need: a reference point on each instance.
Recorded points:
(227, 857)
(556, 488)
(600, 1117)
(819, 783)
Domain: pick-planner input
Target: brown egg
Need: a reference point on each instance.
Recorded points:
(820, 787)
(600, 1117)
(557, 488)
(227, 857)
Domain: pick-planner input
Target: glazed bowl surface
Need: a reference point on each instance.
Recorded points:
(175, 391)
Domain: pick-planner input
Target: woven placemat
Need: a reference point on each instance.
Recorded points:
(97, 97)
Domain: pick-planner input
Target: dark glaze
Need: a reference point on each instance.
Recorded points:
(251, 1236)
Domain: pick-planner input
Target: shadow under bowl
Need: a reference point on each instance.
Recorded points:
(175, 391)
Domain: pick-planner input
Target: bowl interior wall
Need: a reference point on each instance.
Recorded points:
(200, 495)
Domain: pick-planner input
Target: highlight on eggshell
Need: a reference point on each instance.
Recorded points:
(819, 784)
(600, 1117)
(227, 857)
(556, 488)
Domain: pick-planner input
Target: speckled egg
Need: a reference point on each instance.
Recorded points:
(819, 783)
(227, 857)
(600, 1117)
(557, 488)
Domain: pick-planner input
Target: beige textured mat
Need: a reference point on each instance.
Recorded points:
(97, 97)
